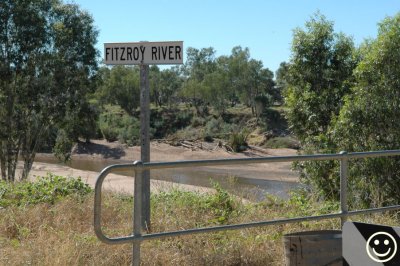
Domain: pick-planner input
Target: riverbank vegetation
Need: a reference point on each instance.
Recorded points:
(330, 96)
(340, 97)
(58, 228)
(54, 94)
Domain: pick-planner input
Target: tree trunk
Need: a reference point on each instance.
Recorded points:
(3, 162)
(12, 160)
(28, 162)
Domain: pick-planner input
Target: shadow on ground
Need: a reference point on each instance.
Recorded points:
(95, 149)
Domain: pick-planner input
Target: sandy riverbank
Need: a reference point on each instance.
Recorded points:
(161, 152)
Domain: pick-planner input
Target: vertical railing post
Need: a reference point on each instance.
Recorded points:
(343, 185)
(137, 212)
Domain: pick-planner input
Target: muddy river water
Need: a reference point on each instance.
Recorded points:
(244, 186)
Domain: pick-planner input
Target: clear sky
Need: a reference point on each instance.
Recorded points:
(265, 27)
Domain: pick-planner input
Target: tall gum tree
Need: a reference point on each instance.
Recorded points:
(318, 76)
(370, 118)
(47, 65)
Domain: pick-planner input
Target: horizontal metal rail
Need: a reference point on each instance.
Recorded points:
(138, 167)
(129, 239)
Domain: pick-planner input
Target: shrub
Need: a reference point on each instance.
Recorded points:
(198, 121)
(109, 122)
(46, 189)
(238, 141)
(129, 133)
(221, 204)
(116, 124)
(217, 128)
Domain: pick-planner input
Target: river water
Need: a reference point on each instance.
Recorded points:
(255, 189)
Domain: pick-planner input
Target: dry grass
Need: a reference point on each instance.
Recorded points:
(62, 234)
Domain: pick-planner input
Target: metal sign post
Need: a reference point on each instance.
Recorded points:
(145, 142)
(143, 54)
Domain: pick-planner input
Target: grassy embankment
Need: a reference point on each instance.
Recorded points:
(237, 126)
(50, 222)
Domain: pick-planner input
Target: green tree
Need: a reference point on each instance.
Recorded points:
(47, 65)
(164, 85)
(215, 88)
(248, 78)
(370, 118)
(281, 81)
(319, 75)
(120, 86)
(198, 64)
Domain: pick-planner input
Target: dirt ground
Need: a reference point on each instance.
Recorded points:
(162, 152)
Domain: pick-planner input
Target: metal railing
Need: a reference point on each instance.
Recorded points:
(137, 237)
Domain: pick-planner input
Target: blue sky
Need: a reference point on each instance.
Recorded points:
(265, 27)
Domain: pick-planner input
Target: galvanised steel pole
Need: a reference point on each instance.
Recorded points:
(145, 142)
(137, 213)
(344, 165)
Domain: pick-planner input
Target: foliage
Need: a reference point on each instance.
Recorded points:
(164, 85)
(225, 80)
(167, 121)
(120, 86)
(238, 141)
(62, 146)
(370, 118)
(281, 79)
(217, 128)
(47, 66)
(319, 75)
(115, 124)
(47, 189)
(218, 207)
(221, 204)
(303, 203)
(261, 103)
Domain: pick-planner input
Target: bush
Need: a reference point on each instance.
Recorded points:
(46, 189)
(166, 121)
(116, 124)
(129, 133)
(198, 121)
(238, 141)
(217, 128)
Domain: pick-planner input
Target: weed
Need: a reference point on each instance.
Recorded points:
(238, 141)
(46, 189)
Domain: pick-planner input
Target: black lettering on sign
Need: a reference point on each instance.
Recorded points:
(135, 53)
(164, 51)
(116, 52)
(142, 49)
(170, 52)
(122, 54)
(129, 53)
(178, 52)
(153, 53)
(107, 52)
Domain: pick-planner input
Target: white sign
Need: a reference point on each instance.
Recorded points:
(146, 53)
